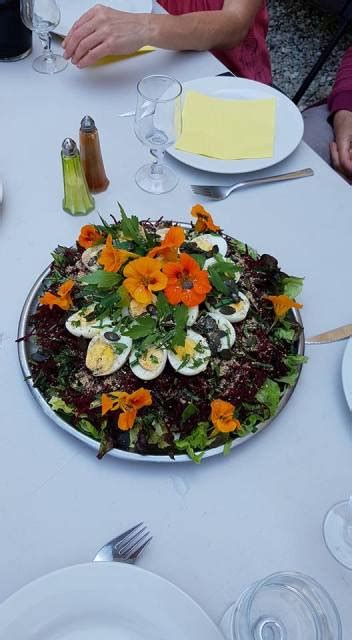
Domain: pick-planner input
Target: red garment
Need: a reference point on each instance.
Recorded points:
(341, 95)
(251, 58)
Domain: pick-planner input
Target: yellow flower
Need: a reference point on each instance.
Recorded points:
(143, 276)
(222, 416)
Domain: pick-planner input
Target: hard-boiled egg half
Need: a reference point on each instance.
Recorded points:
(149, 364)
(78, 325)
(206, 241)
(104, 356)
(227, 341)
(235, 311)
(193, 357)
(210, 261)
(90, 257)
(162, 232)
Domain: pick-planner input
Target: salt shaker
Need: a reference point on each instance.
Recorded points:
(91, 157)
(77, 199)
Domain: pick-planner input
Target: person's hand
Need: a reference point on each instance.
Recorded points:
(102, 31)
(341, 150)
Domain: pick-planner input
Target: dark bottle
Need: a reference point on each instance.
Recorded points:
(15, 38)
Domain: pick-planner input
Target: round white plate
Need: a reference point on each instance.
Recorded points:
(103, 601)
(347, 373)
(289, 123)
(71, 10)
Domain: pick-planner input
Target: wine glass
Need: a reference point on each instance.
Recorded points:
(42, 16)
(337, 531)
(158, 125)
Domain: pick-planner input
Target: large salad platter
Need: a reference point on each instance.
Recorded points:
(161, 341)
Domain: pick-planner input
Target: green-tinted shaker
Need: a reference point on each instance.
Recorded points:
(77, 200)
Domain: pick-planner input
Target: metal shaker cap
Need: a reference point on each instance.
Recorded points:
(69, 147)
(88, 124)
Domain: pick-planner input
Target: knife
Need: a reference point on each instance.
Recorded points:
(331, 336)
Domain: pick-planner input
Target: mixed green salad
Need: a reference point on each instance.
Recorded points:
(161, 338)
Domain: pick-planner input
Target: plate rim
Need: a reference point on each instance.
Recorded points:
(107, 568)
(226, 80)
(31, 303)
(347, 356)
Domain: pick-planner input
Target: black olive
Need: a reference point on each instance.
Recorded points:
(111, 336)
(235, 297)
(227, 310)
(215, 249)
(268, 262)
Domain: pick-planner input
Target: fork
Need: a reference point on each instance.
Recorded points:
(218, 192)
(126, 547)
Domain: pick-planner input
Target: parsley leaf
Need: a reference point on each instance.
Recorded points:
(181, 317)
(188, 412)
(196, 442)
(293, 364)
(130, 226)
(102, 279)
(141, 328)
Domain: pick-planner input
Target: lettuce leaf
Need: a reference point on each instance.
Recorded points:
(293, 364)
(292, 286)
(269, 395)
(57, 404)
(197, 441)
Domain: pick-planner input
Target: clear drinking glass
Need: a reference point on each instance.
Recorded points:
(337, 531)
(42, 16)
(283, 606)
(158, 125)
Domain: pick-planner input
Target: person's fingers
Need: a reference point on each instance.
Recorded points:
(76, 36)
(343, 144)
(94, 55)
(82, 21)
(86, 45)
(335, 156)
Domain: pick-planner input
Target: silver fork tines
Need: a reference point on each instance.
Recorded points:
(126, 547)
(220, 192)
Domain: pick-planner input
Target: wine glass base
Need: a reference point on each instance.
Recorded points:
(49, 65)
(162, 182)
(335, 534)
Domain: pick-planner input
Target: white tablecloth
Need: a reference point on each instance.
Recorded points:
(219, 526)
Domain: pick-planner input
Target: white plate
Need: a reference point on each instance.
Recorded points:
(103, 601)
(347, 373)
(71, 10)
(289, 123)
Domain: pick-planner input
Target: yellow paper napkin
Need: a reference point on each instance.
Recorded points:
(227, 129)
(110, 59)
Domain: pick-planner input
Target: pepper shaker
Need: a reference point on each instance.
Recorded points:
(91, 157)
(77, 199)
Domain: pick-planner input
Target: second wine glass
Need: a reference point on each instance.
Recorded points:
(158, 125)
(42, 16)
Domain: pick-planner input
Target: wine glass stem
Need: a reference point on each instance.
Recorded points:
(157, 167)
(45, 39)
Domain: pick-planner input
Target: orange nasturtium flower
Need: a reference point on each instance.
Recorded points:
(89, 236)
(168, 249)
(204, 220)
(143, 276)
(128, 403)
(222, 416)
(187, 283)
(282, 304)
(61, 299)
(111, 258)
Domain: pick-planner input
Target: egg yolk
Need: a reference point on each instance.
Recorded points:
(100, 357)
(150, 360)
(204, 244)
(186, 350)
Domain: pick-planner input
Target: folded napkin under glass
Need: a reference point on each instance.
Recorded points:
(227, 129)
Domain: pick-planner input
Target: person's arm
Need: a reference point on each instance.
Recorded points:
(103, 31)
(340, 107)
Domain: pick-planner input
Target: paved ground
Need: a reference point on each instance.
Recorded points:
(298, 33)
